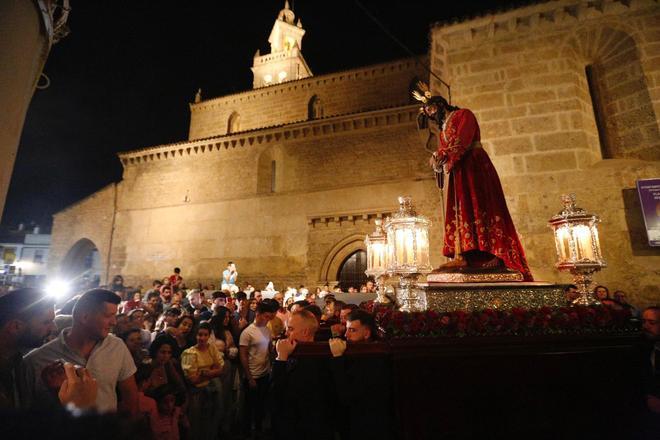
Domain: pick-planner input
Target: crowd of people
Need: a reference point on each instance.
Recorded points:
(206, 363)
(198, 363)
(617, 300)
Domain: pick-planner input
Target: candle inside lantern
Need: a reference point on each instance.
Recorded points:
(564, 243)
(584, 243)
(379, 257)
(422, 238)
(408, 250)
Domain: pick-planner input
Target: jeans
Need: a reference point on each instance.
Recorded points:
(255, 404)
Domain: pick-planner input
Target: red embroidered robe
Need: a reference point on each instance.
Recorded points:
(485, 222)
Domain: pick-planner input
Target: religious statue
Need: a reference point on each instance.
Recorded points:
(478, 232)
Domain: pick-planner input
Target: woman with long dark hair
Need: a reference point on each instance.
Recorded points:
(222, 338)
(165, 370)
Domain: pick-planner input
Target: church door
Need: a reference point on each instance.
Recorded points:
(351, 272)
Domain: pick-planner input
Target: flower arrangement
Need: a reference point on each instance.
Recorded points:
(514, 322)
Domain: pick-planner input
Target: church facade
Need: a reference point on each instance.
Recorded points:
(287, 179)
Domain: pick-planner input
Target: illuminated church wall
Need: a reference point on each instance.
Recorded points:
(288, 197)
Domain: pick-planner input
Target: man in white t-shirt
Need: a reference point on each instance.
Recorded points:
(254, 345)
(88, 344)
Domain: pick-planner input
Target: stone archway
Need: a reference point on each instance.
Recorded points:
(338, 254)
(82, 264)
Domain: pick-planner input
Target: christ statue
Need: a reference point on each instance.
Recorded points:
(478, 230)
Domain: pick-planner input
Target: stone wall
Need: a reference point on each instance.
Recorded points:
(206, 202)
(85, 223)
(524, 75)
(352, 91)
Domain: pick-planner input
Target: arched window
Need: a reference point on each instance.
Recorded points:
(270, 168)
(617, 93)
(351, 272)
(234, 123)
(315, 108)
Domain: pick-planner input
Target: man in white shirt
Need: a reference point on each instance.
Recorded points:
(254, 346)
(87, 344)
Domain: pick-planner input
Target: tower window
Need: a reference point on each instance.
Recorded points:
(282, 75)
(315, 108)
(268, 78)
(234, 123)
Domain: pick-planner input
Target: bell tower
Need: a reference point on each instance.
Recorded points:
(285, 61)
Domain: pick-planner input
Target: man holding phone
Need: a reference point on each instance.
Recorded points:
(229, 277)
(87, 344)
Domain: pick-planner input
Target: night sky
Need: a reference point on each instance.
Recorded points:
(124, 77)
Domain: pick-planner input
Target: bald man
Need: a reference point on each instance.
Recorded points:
(302, 410)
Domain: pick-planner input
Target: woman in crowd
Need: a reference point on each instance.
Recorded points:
(221, 337)
(203, 365)
(602, 293)
(165, 369)
(182, 332)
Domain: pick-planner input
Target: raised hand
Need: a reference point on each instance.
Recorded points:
(284, 348)
(79, 388)
(337, 347)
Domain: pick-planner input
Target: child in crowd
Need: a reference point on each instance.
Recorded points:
(165, 423)
(146, 405)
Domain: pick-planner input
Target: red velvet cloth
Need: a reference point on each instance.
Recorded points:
(485, 222)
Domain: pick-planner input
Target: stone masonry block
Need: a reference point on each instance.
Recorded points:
(560, 141)
(535, 124)
(512, 145)
(547, 162)
(532, 97)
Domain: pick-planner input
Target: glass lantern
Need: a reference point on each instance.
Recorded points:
(578, 247)
(377, 260)
(408, 253)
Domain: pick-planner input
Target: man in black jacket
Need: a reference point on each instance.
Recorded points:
(362, 382)
(301, 404)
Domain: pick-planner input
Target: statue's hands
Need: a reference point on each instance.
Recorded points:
(436, 162)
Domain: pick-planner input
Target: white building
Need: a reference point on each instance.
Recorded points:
(24, 258)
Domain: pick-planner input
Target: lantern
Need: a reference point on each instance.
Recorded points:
(578, 247)
(377, 259)
(408, 249)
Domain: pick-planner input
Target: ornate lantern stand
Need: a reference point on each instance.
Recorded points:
(578, 247)
(377, 263)
(408, 249)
